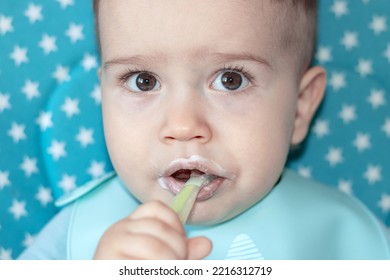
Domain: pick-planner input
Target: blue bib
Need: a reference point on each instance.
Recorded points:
(298, 219)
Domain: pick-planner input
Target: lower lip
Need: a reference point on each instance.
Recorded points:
(205, 192)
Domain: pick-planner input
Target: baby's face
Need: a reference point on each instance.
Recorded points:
(197, 86)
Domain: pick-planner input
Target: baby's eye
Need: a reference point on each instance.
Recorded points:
(230, 80)
(142, 81)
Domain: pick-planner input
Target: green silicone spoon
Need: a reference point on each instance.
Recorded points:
(185, 199)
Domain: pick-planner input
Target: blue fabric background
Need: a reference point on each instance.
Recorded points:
(51, 139)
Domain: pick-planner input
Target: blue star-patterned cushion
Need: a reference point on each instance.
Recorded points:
(51, 137)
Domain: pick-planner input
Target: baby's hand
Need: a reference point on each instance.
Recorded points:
(153, 231)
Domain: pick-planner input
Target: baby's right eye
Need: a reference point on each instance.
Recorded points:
(141, 82)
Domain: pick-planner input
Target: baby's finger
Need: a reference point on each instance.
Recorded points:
(136, 247)
(174, 239)
(198, 248)
(146, 247)
(160, 211)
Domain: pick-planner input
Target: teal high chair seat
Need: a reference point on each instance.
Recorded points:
(51, 136)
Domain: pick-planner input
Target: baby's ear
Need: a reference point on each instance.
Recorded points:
(311, 92)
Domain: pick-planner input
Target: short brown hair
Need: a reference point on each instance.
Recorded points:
(303, 39)
(300, 36)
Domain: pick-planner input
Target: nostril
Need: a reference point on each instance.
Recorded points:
(171, 139)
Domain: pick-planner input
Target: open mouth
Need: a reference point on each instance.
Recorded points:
(179, 171)
(175, 182)
(185, 174)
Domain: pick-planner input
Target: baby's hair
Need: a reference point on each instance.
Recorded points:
(300, 37)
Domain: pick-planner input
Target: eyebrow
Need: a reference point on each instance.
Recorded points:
(216, 56)
(227, 57)
(135, 60)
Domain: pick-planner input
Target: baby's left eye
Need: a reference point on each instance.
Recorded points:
(230, 81)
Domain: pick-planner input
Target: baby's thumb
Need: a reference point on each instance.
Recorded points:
(198, 248)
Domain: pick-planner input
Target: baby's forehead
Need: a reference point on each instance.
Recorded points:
(265, 16)
(271, 23)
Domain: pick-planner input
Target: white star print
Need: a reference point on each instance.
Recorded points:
(57, 150)
(350, 40)
(61, 74)
(4, 180)
(17, 132)
(321, 128)
(378, 24)
(345, 186)
(337, 81)
(65, 3)
(29, 166)
(362, 142)
(34, 13)
(44, 120)
(4, 102)
(96, 169)
(28, 240)
(75, 32)
(5, 25)
(339, 8)
(348, 113)
(48, 44)
(30, 89)
(85, 137)
(364, 67)
(324, 54)
(89, 62)
(305, 171)
(386, 127)
(386, 53)
(373, 174)
(377, 98)
(384, 203)
(67, 183)
(334, 156)
(19, 55)
(44, 195)
(70, 107)
(5, 254)
(96, 94)
(18, 209)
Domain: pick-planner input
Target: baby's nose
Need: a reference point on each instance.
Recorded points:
(185, 120)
